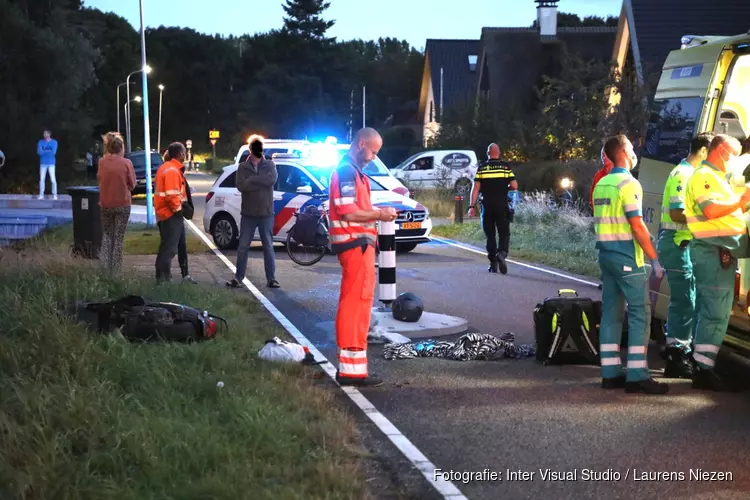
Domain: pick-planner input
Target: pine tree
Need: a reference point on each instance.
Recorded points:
(304, 18)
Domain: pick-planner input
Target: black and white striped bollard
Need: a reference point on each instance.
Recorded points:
(387, 262)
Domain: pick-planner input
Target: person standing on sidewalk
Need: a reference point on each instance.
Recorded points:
(47, 149)
(116, 180)
(494, 179)
(255, 180)
(674, 254)
(182, 253)
(353, 240)
(169, 200)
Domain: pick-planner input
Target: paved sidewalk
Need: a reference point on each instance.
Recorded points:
(204, 268)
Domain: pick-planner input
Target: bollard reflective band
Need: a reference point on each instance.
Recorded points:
(387, 262)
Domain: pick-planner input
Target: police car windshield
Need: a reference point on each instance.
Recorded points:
(324, 177)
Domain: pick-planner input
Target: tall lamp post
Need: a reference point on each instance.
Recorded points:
(145, 69)
(118, 106)
(158, 140)
(127, 113)
(146, 129)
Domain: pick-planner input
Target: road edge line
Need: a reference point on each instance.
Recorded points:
(470, 248)
(446, 488)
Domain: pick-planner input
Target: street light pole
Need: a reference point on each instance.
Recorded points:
(127, 82)
(146, 130)
(158, 140)
(118, 106)
(127, 113)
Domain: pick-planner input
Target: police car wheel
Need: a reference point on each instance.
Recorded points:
(463, 186)
(225, 233)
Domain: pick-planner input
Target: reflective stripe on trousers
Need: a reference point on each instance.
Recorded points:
(618, 287)
(714, 292)
(679, 270)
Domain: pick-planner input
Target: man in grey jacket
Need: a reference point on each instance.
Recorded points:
(255, 180)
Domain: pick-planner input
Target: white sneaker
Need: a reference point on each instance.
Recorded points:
(54, 197)
(40, 197)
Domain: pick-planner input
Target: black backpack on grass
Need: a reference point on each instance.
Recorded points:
(142, 320)
(567, 329)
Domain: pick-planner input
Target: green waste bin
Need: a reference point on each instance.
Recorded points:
(87, 221)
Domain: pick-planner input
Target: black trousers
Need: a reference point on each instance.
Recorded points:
(182, 256)
(170, 231)
(496, 226)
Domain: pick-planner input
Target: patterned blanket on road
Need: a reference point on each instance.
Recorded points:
(469, 347)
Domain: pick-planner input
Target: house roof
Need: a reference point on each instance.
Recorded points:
(459, 83)
(660, 24)
(514, 59)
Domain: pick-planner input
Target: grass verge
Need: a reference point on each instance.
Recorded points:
(563, 238)
(93, 416)
(440, 202)
(139, 239)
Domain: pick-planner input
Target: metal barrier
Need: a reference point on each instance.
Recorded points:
(387, 262)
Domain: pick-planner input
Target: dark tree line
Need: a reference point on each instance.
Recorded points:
(61, 63)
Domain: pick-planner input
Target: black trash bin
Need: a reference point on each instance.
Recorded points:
(87, 221)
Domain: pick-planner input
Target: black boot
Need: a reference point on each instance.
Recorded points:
(501, 262)
(614, 382)
(680, 363)
(494, 267)
(708, 380)
(648, 386)
(368, 381)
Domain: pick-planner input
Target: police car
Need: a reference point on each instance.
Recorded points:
(302, 183)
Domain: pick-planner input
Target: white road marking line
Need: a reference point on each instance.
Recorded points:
(522, 264)
(411, 452)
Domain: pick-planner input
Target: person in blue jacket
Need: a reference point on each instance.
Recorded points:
(47, 149)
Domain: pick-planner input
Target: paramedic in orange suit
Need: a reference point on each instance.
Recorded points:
(353, 240)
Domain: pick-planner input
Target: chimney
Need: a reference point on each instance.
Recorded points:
(546, 15)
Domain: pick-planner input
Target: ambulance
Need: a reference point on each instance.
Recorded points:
(704, 87)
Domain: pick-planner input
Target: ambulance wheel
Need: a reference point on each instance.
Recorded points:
(405, 247)
(224, 232)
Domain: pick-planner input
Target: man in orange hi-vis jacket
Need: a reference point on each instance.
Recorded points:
(169, 197)
(353, 239)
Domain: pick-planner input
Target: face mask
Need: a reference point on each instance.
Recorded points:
(633, 160)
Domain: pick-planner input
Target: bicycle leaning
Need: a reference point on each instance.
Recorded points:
(308, 240)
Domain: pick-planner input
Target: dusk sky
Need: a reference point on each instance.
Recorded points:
(411, 20)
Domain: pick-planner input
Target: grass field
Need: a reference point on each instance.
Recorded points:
(139, 240)
(96, 417)
(563, 238)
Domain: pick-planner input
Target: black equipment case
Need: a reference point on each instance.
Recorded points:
(567, 329)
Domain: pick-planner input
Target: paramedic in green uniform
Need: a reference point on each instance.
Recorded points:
(674, 255)
(622, 238)
(715, 218)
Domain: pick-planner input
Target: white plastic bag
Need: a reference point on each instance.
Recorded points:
(378, 335)
(282, 351)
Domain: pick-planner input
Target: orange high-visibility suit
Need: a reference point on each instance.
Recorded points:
(354, 243)
(169, 190)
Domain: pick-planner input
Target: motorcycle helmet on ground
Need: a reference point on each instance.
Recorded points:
(407, 307)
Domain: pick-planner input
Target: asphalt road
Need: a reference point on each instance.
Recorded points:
(515, 415)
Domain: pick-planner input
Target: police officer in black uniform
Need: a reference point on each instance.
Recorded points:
(493, 180)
